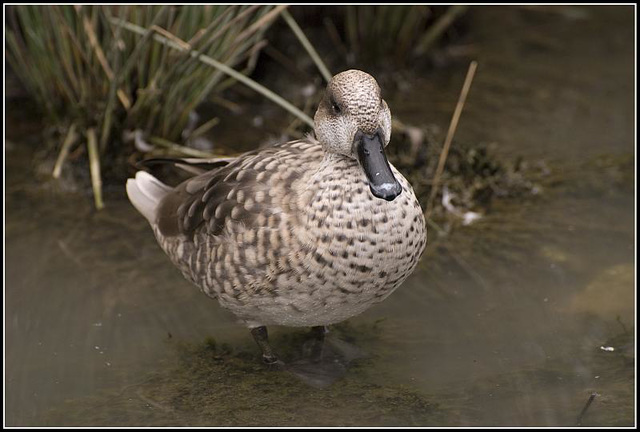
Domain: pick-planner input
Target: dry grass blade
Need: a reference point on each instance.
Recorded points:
(195, 40)
(261, 22)
(177, 148)
(69, 140)
(452, 130)
(201, 130)
(94, 166)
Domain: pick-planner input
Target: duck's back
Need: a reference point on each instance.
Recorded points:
(224, 228)
(256, 184)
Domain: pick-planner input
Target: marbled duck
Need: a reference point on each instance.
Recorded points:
(305, 233)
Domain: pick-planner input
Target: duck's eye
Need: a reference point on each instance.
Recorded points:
(335, 107)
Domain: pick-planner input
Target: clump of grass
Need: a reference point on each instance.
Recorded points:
(88, 73)
(392, 34)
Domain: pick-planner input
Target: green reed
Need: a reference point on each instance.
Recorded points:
(395, 34)
(89, 74)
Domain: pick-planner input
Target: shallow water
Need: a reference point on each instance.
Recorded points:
(509, 321)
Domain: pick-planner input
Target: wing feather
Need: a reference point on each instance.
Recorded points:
(210, 200)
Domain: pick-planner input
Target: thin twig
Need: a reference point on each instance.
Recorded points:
(586, 407)
(452, 130)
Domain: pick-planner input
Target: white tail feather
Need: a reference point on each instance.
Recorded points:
(145, 193)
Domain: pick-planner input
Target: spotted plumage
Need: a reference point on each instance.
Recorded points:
(305, 233)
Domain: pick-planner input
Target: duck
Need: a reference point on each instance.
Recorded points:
(306, 233)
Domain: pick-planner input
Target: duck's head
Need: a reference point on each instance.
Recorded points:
(353, 120)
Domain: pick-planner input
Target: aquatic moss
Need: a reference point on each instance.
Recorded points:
(211, 385)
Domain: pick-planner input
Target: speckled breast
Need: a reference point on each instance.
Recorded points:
(361, 247)
(329, 254)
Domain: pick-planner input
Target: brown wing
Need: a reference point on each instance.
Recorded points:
(252, 185)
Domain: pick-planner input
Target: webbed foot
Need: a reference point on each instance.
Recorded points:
(324, 359)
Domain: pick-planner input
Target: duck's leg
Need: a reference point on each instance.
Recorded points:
(318, 332)
(315, 345)
(262, 339)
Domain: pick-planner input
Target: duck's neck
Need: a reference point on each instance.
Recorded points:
(336, 175)
(336, 184)
(334, 164)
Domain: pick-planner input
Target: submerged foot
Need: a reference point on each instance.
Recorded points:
(324, 361)
(273, 363)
